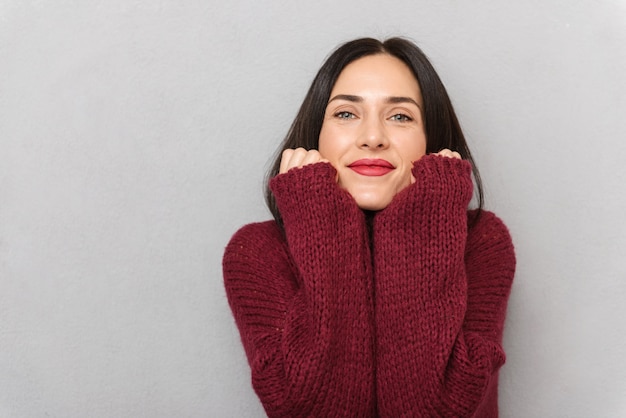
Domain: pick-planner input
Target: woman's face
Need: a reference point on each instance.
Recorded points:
(373, 129)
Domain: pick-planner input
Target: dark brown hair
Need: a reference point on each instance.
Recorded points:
(441, 124)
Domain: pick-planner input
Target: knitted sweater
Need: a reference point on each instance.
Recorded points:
(401, 319)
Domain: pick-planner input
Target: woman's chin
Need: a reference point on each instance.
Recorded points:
(373, 195)
(372, 203)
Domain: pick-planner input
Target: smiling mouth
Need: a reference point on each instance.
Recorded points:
(372, 167)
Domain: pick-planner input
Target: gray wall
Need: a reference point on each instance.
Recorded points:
(134, 136)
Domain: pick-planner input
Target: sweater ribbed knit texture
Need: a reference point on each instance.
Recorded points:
(404, 320)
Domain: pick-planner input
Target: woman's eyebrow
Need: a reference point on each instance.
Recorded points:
(395, 99)
(391, 99)
(347, 97)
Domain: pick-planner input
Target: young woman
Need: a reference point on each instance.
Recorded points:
(374, 291)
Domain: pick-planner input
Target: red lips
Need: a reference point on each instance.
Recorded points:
(372, 167)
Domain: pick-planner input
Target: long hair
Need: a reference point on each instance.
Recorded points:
(441, 124)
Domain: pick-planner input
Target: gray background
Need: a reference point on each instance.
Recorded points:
(134, 137)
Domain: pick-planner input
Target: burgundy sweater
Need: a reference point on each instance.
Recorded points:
(401, 319)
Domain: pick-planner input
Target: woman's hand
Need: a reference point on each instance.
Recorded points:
(299, 157)
(450, 154)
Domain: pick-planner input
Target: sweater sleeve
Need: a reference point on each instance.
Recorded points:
(441, 297)
(303, 300)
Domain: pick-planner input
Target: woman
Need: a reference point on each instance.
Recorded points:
(374, 292)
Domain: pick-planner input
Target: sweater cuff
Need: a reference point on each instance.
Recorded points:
(441, 184)
(444, 181)
(310, 191)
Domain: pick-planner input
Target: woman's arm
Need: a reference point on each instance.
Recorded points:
(304, 306)
(438, 339)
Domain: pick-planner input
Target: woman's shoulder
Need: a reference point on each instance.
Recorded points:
(489, 252)
(258, 230)
(256, 242)
(257, 235)
(486, 229)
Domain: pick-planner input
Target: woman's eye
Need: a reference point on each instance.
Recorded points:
(401, 118)
(344, 115)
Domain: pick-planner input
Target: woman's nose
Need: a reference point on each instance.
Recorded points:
(373, 135)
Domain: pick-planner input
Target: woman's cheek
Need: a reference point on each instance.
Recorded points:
(406, 180)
